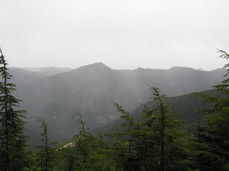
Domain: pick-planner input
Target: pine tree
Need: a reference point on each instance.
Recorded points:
(152, 144)
(84, 144)
(163, 129)
(126, 142)
(46, 150)
(12, 140)
(214, 136)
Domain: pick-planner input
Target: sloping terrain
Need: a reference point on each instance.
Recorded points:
(186, 108)
(92, 89)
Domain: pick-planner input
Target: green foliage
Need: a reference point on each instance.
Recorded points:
(168, 141)
(85, 152)
(12, 140)
(149, 144)
(156, 141)
(211, 150)
(45, 155)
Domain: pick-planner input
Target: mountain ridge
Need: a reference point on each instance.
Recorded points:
(42, 69)
(91, 90)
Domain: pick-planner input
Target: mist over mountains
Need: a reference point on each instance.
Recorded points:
(55, 93)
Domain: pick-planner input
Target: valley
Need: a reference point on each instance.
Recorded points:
(92, 89)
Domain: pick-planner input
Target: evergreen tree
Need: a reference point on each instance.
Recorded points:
(12, 140)
(46, 150)
(163, 128)
(213, 140)
(126, 142)
(152, 144)
(82, 143)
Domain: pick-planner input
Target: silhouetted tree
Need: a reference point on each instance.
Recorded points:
(152, 144)
(46, 150)
(212, 147)
(163, 126)
(12, 140)
(126, 142)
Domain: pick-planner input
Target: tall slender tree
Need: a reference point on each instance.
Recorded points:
(214, 136)
(12, 140)
(126, 142)
(165, 129)
(46, 152)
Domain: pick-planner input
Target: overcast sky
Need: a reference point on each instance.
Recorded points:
(123, 34)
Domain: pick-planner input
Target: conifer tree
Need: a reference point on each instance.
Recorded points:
(152, 144)
(167, 138)
(12, 140)
(83, 144)
(126, 142)
(214, 136)
(46, 152)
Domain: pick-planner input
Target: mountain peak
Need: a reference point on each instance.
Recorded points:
(181, 68)
(99, 65)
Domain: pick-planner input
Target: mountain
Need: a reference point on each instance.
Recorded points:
(91, 90)
(41, 72)
(48, 71)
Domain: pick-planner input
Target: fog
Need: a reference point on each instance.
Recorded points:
(123, 34)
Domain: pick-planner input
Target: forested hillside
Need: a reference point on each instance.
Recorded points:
(188, 132)
(187, 108)
(114, 85)
(92, 89)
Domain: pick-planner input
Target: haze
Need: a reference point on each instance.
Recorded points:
(123, 34)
